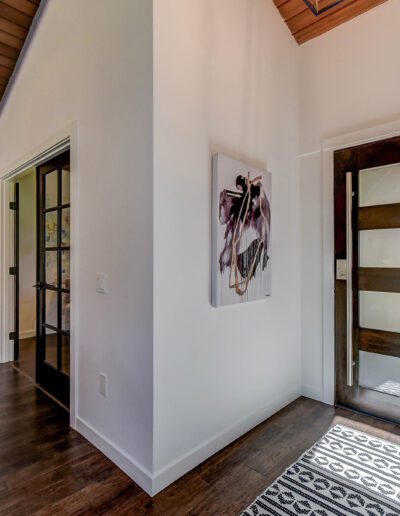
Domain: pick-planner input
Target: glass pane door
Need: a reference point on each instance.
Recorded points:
(367, 283)
(54, 283)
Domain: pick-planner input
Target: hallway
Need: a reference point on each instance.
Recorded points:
(47, 468)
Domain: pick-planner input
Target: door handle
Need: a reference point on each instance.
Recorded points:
(349, 277)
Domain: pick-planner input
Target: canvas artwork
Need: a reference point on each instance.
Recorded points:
(241, 224)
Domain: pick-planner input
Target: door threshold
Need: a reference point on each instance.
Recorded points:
(365, 413)
(38, 386)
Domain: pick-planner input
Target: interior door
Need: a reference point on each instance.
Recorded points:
(53, 277)
(367, 286)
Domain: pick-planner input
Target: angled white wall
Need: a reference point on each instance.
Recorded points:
(225, 79)
(91, 62)
(349, 91)
(186, 378)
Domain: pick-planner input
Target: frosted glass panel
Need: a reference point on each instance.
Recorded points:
(380, 310)
(51, 189)
(51, 268)
(65, 186)
(51, 347)
(65, 270)
(65, 227)
(51, 229)
(65, 305)
(379, 185)
(380, 373)
(65, 354)
(51, 308)
(379, 248)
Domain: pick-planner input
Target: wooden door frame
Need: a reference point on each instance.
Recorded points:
(326, 173)
(66, 138)
(353, 160)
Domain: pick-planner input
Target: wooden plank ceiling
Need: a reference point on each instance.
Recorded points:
(16, 18)
(304, 25)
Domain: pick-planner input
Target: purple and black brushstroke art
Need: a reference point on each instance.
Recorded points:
(246, 213)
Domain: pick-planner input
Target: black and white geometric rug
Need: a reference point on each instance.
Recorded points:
(345, 473)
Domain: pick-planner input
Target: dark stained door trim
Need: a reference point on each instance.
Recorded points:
(379, 279)
(385, 216)
(379, 341)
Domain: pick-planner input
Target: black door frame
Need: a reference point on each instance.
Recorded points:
(51, 378)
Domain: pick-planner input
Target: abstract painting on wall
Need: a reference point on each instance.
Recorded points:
(241, 226)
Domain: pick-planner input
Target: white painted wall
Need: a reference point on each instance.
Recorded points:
(349, 83)
(92, 62)
(27, 254)
(225, 79)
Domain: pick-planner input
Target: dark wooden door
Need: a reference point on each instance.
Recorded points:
(53, 277)
(367, 285)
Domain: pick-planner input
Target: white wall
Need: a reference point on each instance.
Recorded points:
(27, 254)
(92, 62)
(349, 83)
(225, 79)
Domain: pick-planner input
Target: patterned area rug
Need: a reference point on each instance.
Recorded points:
(346, 472)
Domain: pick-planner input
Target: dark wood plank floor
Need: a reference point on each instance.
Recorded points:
(47, 468)
(27, 357)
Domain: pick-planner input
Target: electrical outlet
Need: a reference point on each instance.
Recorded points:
(103, 385)
(101, 283)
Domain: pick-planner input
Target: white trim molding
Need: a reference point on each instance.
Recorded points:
(154, 483)
(133, 469)
(168, 474)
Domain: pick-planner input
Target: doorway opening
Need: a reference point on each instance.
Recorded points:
(40, 233)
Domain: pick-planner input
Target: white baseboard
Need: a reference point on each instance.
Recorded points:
(27, 334)
(193, 458)
(135, 471)
(153, 484)
(312, 392)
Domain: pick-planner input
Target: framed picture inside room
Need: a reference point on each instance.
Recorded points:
(241, 232)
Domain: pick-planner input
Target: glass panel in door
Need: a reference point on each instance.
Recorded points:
(379, 293)
(54, 277)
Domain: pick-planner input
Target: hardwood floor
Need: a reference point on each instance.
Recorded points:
(46, 468)
(27, 357)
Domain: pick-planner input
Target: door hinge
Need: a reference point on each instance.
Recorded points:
(12, 271)
(12, 335)
(13, 206)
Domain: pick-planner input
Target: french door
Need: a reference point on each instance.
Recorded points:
(53, 277)
(367, 285)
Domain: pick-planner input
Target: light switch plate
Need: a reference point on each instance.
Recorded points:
(341, 269)
(101, 283)
(103, 384)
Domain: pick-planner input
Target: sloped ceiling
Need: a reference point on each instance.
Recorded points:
(304, 25)
(16, 18)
